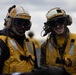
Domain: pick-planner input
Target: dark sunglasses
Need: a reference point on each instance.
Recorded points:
(57, 21)
(20, 22)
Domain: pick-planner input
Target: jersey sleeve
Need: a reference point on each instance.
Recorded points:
(4, 54)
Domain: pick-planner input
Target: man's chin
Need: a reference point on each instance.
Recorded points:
(60, 34)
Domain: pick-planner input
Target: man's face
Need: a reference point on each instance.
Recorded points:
(59, 29)
(58, 25)
(21, 25)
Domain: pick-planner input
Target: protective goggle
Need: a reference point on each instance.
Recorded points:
(21, 22)
(57, 21)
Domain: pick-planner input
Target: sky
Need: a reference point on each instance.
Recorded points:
(37, 10)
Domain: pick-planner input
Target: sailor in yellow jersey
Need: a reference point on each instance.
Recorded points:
(60, 47)
(15, 54)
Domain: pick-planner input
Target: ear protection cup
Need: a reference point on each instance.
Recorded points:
(69, 20)
(28, 27)
(7, 18)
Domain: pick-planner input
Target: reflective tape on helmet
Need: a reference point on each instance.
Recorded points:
(55, 12)
(19, 12)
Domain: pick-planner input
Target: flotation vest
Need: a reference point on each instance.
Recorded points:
(70, 52)
(15, 63)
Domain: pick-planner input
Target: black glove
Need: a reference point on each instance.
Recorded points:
(60, 61)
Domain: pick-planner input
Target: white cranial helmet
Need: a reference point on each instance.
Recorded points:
(55, 12)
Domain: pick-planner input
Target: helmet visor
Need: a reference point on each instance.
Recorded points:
(21, 22)
(57, 21)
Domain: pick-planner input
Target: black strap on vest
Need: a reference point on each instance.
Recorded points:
(43, 53)
(29, 57)
(36, 63)
(22, 57)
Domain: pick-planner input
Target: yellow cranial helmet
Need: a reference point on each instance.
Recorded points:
(55, 12)
(19, 12)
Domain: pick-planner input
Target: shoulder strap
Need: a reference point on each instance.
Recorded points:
(43, 53)
(30, 50)
(36, 63)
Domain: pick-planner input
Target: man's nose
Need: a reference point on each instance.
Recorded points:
(58, 25)
(23, 25)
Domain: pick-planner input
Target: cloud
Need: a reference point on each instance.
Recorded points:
(38, 9)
